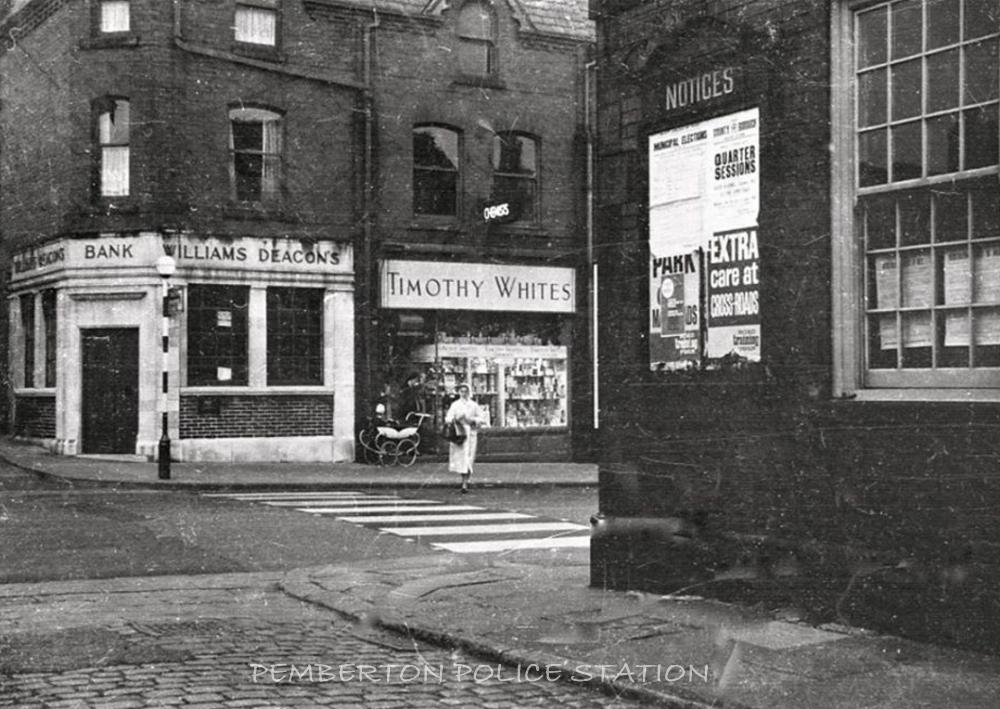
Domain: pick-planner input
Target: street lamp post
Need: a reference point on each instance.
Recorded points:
(165, 267)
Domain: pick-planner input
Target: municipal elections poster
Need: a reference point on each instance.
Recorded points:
(704, 271)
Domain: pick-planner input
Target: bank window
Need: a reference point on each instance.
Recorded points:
(294, 336)
(476, 39)
(435, 170)
(49, 332)
(27, 303)
(515, 174)
(114, 16)
(255, 154)
(927, 197)
(256, 22)
(113, 128)
(217, 335)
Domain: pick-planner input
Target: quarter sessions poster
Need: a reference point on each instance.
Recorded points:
(704, 197)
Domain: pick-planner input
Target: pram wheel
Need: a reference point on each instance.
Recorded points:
(369, 453)
(406, 453)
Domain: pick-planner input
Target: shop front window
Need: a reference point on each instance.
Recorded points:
(27, 303)
(49, 315)
(516, 371)
(926, 200)
(294, 336)
(217, 335)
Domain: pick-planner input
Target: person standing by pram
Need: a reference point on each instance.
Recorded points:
(462, 455)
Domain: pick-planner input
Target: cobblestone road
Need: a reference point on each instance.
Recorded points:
(233, 641)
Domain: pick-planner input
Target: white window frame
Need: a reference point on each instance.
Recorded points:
(850, 373)
(271, 153)
(250, 26)
(114, 16)
(114, 173)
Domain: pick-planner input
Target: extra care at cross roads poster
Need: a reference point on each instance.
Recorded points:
(704, 271)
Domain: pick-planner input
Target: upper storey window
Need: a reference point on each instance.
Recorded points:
(114, 16)
(256, 160)
(435, 171)
(257, 22)
(477, 39)
(113, 139)
(515, 174)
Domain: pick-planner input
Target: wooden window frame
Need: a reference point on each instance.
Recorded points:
(853, 296)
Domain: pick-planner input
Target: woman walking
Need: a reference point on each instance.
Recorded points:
(464, 413)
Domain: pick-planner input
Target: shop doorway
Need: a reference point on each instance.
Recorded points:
(110, 404)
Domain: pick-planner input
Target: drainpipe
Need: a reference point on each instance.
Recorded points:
(589, 97)
(367, 216)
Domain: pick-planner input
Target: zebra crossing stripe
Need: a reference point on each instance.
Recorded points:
(389, 513)
(348, 503)
(458, 517)
(294, 495)
(389, 508)
(512, 544)
(467, 529)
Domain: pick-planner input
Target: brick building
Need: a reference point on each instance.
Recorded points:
(798, 208)
(283, 154)
(478, 106)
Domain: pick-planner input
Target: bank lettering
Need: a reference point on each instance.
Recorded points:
(240, 254)
(31, 261)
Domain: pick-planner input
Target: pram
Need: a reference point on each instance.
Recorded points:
(384, 442)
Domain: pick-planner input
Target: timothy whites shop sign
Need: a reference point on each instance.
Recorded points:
(477, 286)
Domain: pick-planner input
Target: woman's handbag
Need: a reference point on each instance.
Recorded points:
(454, 433)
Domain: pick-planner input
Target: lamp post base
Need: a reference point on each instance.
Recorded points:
(163, 453)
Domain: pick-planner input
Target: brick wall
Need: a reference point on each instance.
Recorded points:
(35, 416)
(255, 416)
(179, 109)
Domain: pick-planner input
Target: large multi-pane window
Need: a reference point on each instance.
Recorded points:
(27, 303)
(255, 149)
(217, 335)
(476, 39)
(113, 127)
(256, 22)
(435, 171)
(294, 336)
(927, 198)
(49, 332)
(515, 174)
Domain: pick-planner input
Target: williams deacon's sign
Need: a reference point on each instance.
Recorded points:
(477, 286)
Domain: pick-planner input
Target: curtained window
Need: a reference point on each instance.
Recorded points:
(255, 148)
(113, 138)
(476, 39)
(257, 22)
(114, 16)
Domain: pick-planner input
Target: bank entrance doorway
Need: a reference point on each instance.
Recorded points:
(110, 403)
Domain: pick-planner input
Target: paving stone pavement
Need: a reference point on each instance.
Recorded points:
(234, 641)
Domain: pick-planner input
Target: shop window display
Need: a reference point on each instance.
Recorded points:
(518, 381)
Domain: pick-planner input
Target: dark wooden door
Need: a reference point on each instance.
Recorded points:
(110, 406)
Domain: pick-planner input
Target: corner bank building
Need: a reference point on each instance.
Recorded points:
(138, 130)
(798, 236)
